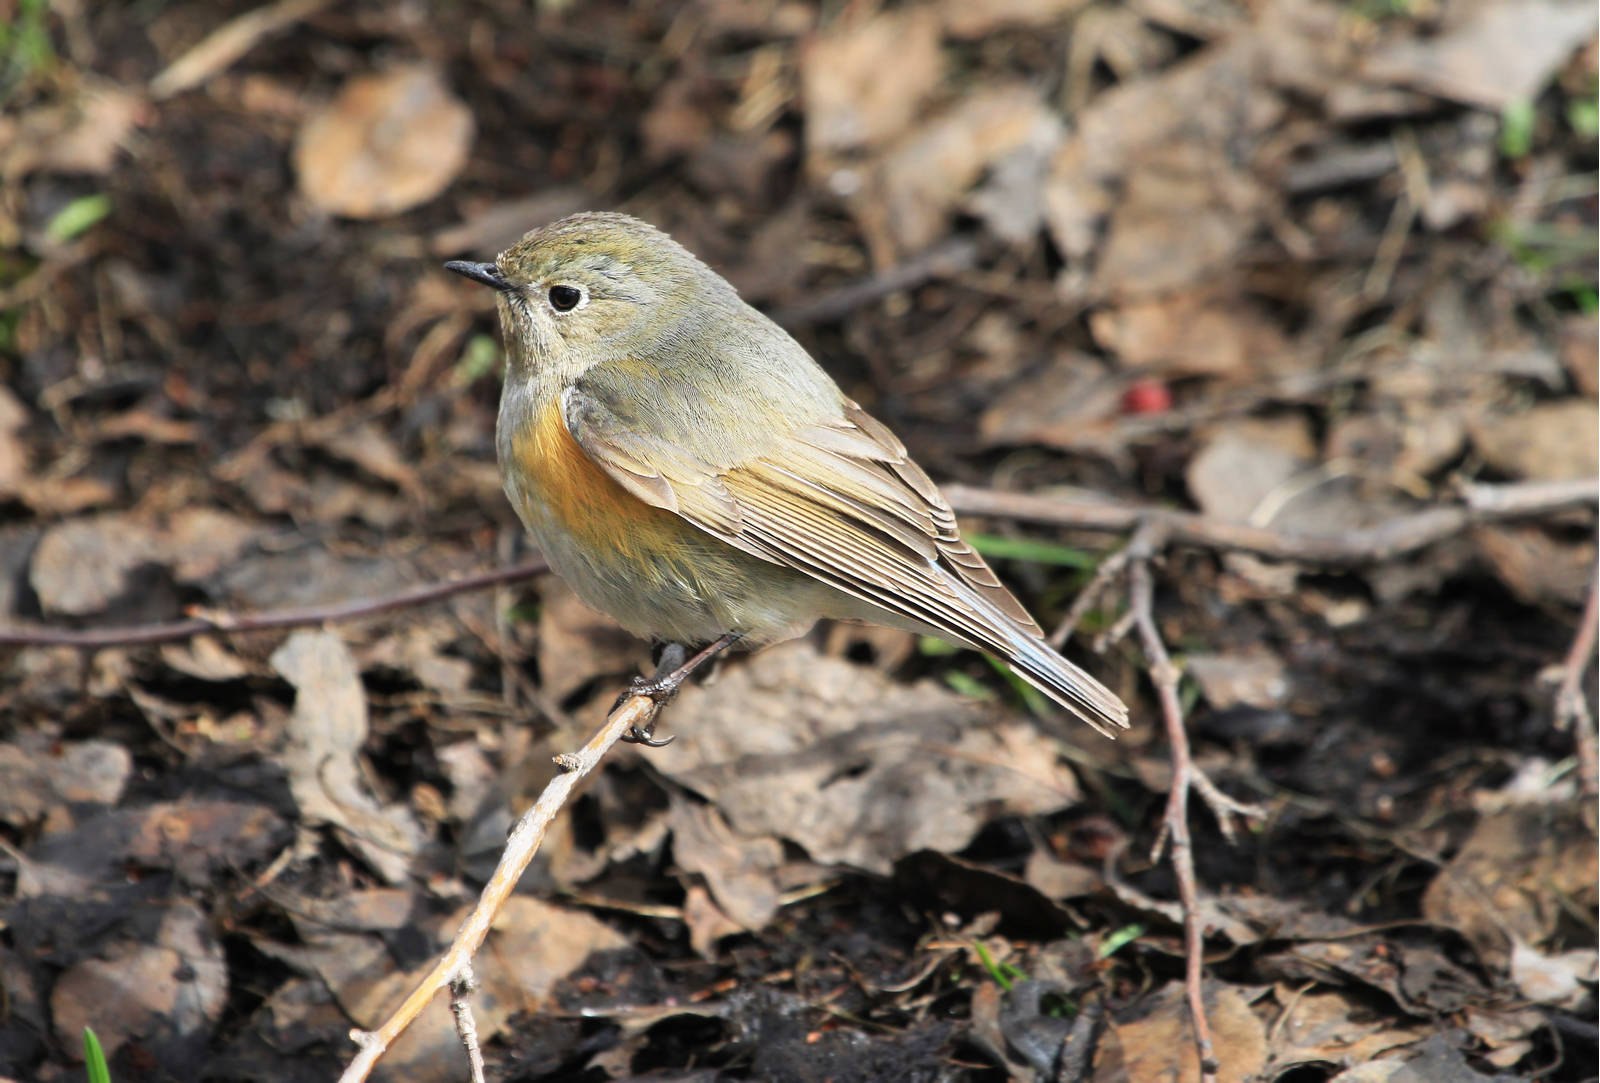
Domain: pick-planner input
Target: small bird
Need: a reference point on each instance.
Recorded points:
(690, 470)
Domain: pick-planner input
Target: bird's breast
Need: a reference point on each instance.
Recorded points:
(562, 488)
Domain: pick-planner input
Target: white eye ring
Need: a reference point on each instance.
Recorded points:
(563, 297)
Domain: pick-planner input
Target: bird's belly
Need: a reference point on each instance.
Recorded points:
(655, 574)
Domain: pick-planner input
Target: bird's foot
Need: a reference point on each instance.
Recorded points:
(660, 686)
(673, 667)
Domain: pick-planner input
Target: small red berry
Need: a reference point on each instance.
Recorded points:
(1146, 396)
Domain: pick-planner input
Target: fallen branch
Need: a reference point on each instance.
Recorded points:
(1398, 537)
(209, 622)
(1133, 560)
(1175, 822)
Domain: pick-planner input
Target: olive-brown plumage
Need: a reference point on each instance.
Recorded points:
(690, 470)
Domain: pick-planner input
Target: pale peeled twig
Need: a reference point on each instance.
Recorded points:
(1572, 695)
(454, 966)
(221, 48)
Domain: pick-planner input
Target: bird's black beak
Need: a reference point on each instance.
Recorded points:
(487, 273)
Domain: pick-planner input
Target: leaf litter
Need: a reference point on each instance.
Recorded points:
(1302, 265)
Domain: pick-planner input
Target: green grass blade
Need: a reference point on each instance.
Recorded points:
(94, 1058)
(1032, 550)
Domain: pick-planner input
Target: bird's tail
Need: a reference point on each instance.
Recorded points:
(1034, 661)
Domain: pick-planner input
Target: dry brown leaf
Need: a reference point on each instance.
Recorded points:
(965, 19)
(319, 494)
(1243, 464)
(739, 871)
(1497, 53)
(177, 985)
(1505, 1031)
(853, 767)
(1190, 334)
(1552, 441)
(218, 50)
(921, 180)
(1536, 567)
(197, 836)
(1504, 883)
(84, 565)
(13, 449)
(492, 229)
(531, 946)
(471, 775)
(418, 650)
(1184, 214)
(1565, 980)
(84, 135)
(373, 450)
(578, 645)
(1405, 448)
(1254, 677)
(52, 497)
(1157, 1047)
(386, 143)
(863, 80)
(149, 427)
(1148, 152)
(1382, 1070)
(198, 542)
(1059, 879)
(677, 122)
(325, 736)
(1331, 1026)
(37, 773)
(205, 658)
(307, 576)
(1072, 402)
(706, 921)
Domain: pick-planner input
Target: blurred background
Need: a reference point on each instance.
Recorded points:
(1299, 264)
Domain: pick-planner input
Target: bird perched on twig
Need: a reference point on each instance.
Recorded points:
(689, 469)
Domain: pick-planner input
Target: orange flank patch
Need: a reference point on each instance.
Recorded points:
(584, 499)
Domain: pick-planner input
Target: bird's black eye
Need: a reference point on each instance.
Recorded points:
(565, 298)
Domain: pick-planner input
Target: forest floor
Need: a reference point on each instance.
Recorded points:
(1320, 271)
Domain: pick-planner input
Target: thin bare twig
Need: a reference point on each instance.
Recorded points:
(221, 48)
(1572, 695)
(634, 714)
(1397, 537)
(214, 622)
(1106, 571)
(466, 1026)
(1134, 559)
(941, 261)
(521, 846)
(1175, 824)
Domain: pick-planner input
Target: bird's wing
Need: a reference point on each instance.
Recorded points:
(841, 501)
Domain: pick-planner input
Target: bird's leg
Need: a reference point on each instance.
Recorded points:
(673, 668)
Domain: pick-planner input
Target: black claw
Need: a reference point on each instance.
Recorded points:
(647, 737)
(672, 669)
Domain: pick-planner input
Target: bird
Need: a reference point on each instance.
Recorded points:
(689, 469)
